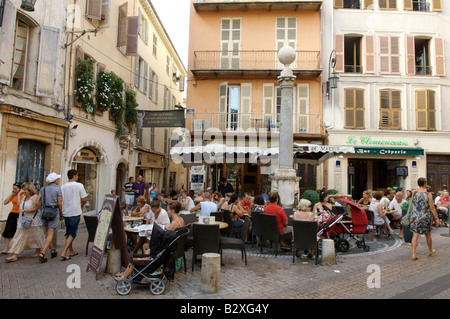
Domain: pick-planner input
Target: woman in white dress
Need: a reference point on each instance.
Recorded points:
(186, 202)
(31, 237)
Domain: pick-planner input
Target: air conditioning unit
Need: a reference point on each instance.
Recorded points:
(201, 125)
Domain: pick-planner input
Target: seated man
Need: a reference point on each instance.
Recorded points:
(282, 220)
(246, 202)
(396, 205)
(206, 207)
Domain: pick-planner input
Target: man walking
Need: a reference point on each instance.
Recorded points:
(74, 198)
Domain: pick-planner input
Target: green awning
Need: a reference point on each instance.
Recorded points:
(389, 151)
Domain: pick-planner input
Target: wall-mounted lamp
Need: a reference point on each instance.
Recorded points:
(73, 130)
(28, 5)
(332, 82)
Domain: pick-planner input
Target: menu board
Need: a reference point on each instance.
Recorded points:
(109, 217)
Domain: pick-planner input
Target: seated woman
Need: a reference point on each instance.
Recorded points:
(176, 221)
(323, 208)
(304, 211)
(142, 209)
(237, 214)
(366, 199)
(379, 214)
(258, 204)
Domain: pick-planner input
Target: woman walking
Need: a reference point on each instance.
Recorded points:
(31, 237)
(11, 223)
(422, 212)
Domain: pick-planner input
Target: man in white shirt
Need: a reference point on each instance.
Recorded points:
(74, 197)
(396, 205)
(206, 207)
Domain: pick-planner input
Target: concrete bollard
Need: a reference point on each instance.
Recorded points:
(328, 252)
(113, 263)
(210, 276)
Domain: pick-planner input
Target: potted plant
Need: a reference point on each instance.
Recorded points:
(312, 196)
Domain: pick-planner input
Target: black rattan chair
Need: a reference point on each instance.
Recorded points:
(181, 242)
(257, 225)
(206, 240)
(237, 243)
(270, 231)
(305, 237)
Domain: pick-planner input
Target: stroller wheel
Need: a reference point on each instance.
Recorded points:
(366, 248)
(157, 286)
(123, 287)
(342, 245)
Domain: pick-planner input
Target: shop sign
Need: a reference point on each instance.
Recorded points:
(389, 151)
(367, 140)
(175, 118)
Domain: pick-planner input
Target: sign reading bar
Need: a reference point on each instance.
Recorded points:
(389, 151)
(110, 217)
(173, 118)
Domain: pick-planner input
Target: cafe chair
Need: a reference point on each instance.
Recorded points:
(217, 215)
(270, 231)
(237, 243)
(91, 225)
(189, 218)
(256, 224)
(227, 219)
(371, 221)
(182, 233)
(206, 240)
(305, 237)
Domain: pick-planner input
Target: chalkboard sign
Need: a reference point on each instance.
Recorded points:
(401, 171)
(110, 217)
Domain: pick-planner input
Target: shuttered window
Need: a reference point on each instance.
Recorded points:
(268, 103)
(302, 108)
(48, 59)
(390, 110)
(132, 36)
(370, 54)
(387, 4)
(425, 110)
(436, 5)
(122, 29)
(7, 41)
(439, 55)
(389, 54)
(246, 106)
(339, 48)
(354, 108)
(94, 9)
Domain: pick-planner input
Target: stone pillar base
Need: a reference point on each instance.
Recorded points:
(285, 182)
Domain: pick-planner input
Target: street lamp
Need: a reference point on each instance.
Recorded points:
(332, 77)
(28, 5)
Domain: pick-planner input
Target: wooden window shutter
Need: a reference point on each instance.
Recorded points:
(339, 48)
(150, 83)
(390, 109)
(384, 55)
(410, 55)
(370, 54)
(303, 108)
(156, 85)
(136, 71)
(431, 95)
(394, 54)
(7, 34)
(223, 99)
(408, 5)
(246, 105)
(439, 56)
(79, 55)
(145, 77)
(122, 30)
(94, 9)
(421, 110)
(47, 62)
(349, 108)
(338, 4)
(437, 5)
(268, 102)
(368, 4)
(382, 4)
(132, 36)
(359, 109)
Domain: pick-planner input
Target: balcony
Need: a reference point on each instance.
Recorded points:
(307, 124)
(260, 62)
(256, 5)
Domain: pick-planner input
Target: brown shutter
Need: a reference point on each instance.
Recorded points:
(384, 55)
(132, 36)
(382, 4)
(79, 55)
(338, 4)
(408, 5)
(421, 110)
(437, 5)
(122, 29)
(396, 110)
(410, 55)
(393, 4)
(339, 48)
(395, 55)
(359, 109)
(349, 108)
(439, 56)
(7, 32)
(384, 109)
(431, 110)
(368, 3)
(370, 54)
(94, 9)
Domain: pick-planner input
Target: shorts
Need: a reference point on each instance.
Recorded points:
(51, 223)
(129, 199)
(72, 226)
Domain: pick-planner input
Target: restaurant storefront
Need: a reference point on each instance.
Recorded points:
(378, 162)
(151, 167)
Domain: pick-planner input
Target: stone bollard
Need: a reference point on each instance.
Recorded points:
(210, 276)
(328, 252)
(113, 263)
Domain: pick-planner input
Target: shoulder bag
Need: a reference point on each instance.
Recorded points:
(49, 212)
(26, 220)
(407, 218)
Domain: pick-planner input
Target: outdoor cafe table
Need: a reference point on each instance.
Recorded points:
(222, 225)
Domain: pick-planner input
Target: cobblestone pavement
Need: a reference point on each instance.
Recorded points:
(265, 277)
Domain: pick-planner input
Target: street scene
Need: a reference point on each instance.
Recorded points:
(245, 151)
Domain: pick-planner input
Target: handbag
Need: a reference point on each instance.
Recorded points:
(26, 220)
(49, 213)
(406, 220)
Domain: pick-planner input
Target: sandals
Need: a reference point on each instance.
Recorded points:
(53, 253)
(431, 252)
(42, 258)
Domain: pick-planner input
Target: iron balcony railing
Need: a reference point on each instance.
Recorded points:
(251, 122)
(253, 60)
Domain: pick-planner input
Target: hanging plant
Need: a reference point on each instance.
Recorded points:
(130, 107)
(85, 84)
(103, 90)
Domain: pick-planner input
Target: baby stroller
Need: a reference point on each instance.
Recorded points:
(352, 223)
(157, 266)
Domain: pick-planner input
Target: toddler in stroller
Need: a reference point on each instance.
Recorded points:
(153, 268)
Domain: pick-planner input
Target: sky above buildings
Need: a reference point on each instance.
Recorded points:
(174, 15)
